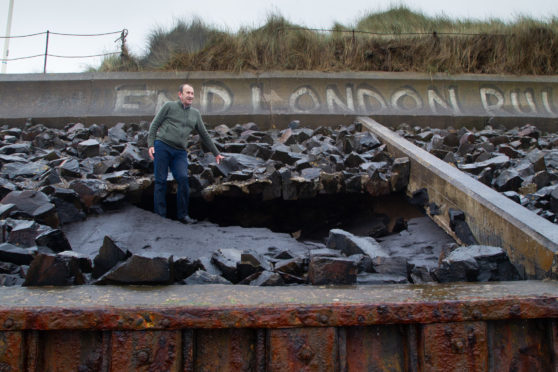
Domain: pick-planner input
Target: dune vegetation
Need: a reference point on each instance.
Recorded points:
(394, 40)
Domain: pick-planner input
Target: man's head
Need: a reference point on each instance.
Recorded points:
(186, 94)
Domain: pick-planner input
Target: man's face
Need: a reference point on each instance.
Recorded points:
(187, 95)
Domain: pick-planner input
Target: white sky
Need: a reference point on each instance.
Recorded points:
(140, 17)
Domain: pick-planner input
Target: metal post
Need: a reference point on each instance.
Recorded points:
(7, 39)
(46, 51)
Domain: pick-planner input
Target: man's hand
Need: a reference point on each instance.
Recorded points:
(151, 151)
(218, 158)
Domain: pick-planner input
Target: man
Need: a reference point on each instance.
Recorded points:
(167, 140)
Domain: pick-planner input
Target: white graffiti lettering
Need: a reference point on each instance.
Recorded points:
(489, 107)
(133, 99)
(208, 92)
(362, 103)
(294, 100)
(333, 99)
(528, 97)
(546, 103)
(256, 98)
(434, 100)
(400, 95)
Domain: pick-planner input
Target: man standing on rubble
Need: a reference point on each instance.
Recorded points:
(167, 141)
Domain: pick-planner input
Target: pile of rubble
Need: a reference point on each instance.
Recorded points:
(522, 163)
(54, 178)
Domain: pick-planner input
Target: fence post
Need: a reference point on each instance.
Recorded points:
(46, 51)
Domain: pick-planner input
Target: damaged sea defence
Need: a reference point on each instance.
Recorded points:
(493, 326)
(460, 326)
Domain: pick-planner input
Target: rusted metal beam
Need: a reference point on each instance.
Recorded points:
(216, 306)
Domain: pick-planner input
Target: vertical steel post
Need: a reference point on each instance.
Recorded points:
(7, 40)
(46, 51)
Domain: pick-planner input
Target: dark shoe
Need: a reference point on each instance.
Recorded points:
(188, 220)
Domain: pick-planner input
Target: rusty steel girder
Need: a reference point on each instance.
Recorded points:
(501, 326)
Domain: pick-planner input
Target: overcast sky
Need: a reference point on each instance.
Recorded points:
(140, 17)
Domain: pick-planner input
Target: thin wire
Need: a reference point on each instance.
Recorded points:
(103, 34)
(60, 34)
(93, 55)
(17, 59)
(389, 33)
(54, 55)
(18, 36)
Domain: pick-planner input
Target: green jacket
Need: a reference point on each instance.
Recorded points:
(174, 123)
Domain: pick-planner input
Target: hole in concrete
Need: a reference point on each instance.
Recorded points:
(306, 219)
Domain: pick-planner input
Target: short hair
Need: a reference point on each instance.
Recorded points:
(181, 87)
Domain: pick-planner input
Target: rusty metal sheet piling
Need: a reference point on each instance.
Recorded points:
(460, 326)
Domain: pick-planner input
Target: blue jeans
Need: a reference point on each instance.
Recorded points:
(165, 157)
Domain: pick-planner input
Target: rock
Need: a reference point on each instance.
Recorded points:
(496, 162)
(460, 227)
(353, 160)
(378, 184)
(203, 277)
(371, 278)
(250, 263)
(6, 209)
(10, 280)
(18, 148)
(46, 269)
(84, 261)
(508, 180)
(33, 204)
(184, 267)
(294, 266)
(17, 255)
(6, 187)
(419, 198)
(54, 239)
(331, 270)
(68, 205)
(554, 200)
(134, 158)
(363, 262)
(267, 279)
(283, 154)
(18, 170)
(88, 148)
(90, 191)
(117, 134)
(109, 255)
(390, 265)
(24, 232)
(400, 172)
(70, 168)
(350, 244)
(227, 260)
(476, 263)
(139, 270)
(420, 275)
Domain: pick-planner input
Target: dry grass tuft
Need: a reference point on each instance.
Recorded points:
(395, 40)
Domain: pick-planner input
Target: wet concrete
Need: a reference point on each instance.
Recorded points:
(146, 233)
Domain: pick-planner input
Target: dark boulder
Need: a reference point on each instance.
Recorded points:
(139, 270)
(46, 269)
(331, 270)
(109, 255)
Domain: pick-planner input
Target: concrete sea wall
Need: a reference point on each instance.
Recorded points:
(275, 98)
